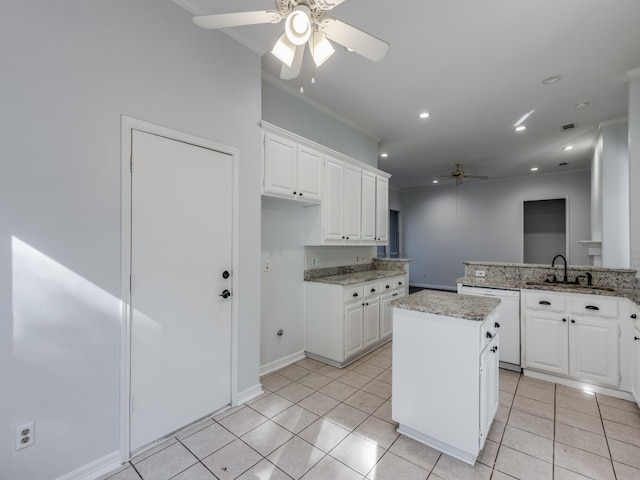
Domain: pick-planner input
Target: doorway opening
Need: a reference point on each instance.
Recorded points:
(544, 230)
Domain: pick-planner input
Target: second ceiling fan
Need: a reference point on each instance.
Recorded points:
(305, 24)
(458, 175)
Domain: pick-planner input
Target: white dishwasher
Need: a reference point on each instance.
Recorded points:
(509, 320)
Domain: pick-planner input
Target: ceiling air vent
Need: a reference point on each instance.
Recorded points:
(568, 126)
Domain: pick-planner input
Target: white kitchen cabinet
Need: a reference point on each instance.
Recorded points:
(291, 171)
(342, 323)
(332, 204)
(572, 335)
(382, 210)
(352, 205)
(354, 329)
(368, 206)
(445, 380)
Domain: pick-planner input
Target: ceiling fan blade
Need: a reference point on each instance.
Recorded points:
(350, 37)
(481, 177)
(288, 73)
(224, 20)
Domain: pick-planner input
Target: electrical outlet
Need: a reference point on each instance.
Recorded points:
(25, 435)
(267, 266)
(315, 262)
(480, 273)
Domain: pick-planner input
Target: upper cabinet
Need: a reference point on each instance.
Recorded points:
(291, 170)
(347, 201)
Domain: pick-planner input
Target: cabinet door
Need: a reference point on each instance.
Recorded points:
(368, 206)
(353, 321)
(593, 350)
(488, 387)
(352, 203)
(279, 166)
(386, 313)
(382, 209)
(547, 342)
(371, 321)
(635, 368)
(333, 199)
(309, 174)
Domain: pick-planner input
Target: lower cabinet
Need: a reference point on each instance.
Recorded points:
(445, 380)
(635, 369)
(342, 323)
(572, 335)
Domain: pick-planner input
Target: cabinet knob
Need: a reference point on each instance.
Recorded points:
(573, 321)
(295, 193)
(494, 349)
(497, 325)
(387, 286)
(564, 320)
(366, 304)
(489, 335)
(633, 315)
(225, 293)
(226, 274)
(400, 283)
(636, 339)
(355, 294)
(373, 290)
(300, 194)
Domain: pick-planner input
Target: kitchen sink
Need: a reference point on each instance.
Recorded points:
(571, 286)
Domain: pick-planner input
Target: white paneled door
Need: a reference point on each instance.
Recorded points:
(181, 238)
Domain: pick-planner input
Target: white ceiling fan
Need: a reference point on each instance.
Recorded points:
(305, 23)
(458, 174)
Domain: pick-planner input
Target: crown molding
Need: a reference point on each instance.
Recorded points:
(614, 121)
(276, 82)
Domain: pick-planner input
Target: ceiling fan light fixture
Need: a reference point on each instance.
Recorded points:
(284, 50)
(298, 25)
(321, 48)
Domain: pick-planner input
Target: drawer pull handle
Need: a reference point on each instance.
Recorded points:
(489, 335)
(636, 339)
(592, 307)
(355, 294)
(544, 302)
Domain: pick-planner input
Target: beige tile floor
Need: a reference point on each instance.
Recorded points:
(319, 422)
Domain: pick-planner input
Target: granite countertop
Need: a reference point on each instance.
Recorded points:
(448, 304)
(512, 284)
(357, 277)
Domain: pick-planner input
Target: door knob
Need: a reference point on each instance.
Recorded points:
(225, 293)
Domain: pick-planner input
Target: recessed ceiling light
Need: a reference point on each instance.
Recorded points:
(384, 155)
(551, 80)
(435, 181)
(425, 115)
(520, 128)
(582, 104)
(534, 169)
(568, 147)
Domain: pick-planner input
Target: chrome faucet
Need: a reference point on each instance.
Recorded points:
(565, 279)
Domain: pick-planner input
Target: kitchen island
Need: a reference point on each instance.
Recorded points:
(445, 370)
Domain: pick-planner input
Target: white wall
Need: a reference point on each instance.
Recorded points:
(445, 225)
(71, 68)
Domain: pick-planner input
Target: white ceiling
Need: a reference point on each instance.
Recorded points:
(477, 67)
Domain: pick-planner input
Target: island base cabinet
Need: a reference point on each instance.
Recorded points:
(635, 380)
(440, 398)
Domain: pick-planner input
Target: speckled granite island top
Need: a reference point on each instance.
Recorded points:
(448, 304)
(357, 277)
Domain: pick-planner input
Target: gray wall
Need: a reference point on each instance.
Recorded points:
(70, 69)
(289, 111)
(634, 168)
(445, 225)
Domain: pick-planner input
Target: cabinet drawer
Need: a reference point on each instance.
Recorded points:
(355, 292)
(399, 282)
(592, 305)
(545, 301)
(387, 284)
(372, 288)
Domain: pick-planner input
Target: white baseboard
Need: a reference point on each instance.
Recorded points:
(434, 287)
(281, 363)
(249, 394)
(95, 469)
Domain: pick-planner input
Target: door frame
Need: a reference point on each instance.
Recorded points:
(567, 224)
(127, 125)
